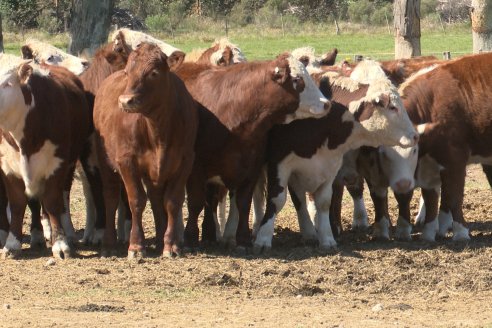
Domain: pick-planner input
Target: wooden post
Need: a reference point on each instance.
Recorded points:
(481, 17)
(407, 28)
(1, 35)
(446, 55)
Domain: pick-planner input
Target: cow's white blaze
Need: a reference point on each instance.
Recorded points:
(312, 102)
(399, 166)
(134, 38)
(44, 52)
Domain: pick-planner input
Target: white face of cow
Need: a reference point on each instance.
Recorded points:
(388, 124)
(399, 165)
(312, 102)
(43, 52)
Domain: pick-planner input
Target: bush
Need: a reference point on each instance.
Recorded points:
(380, 15)
(428, 7)
(20, 14)
(49, 23)
(360, 11)
(158, 23)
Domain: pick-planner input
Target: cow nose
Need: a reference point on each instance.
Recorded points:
(403, 185)
(85, 64)
(127, 102)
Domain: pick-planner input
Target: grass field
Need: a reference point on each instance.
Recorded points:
(257, 43)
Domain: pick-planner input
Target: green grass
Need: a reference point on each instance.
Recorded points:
(259, 43)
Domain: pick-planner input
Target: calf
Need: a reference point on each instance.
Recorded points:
(455, 106)
(45, 122)
(307, 154)
(241, 104)
(222, 53)
(146, 123)
(42, 52)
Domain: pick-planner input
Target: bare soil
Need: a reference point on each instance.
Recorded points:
(364, 283)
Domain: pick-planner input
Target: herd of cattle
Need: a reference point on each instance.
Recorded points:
(147, 122)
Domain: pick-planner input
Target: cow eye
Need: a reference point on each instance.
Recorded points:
(154, 74)
(414, 151)
(393, 108)
(51, 58)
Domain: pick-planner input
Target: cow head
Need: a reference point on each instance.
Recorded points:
(15, 98)
(383, 117)
(222, 53)
(399, 165)
(42, 52)
(147, 75)
(117, 55)
(312, 102)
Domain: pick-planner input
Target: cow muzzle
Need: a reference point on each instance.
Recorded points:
(403, 186)
(409, 140)
(128, 103)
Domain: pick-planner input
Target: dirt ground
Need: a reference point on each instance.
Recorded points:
(363, 284)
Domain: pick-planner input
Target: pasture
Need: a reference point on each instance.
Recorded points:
(364, 283)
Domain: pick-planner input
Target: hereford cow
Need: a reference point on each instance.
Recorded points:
(45, 123)
(241, 104)
(222, 53)
(146, 124)
(42, 52)
(307, 154)
(455, 106)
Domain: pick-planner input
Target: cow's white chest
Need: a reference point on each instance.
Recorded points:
(33, 170)
(310, 173)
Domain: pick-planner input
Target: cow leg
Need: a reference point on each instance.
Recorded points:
(221, 214)
(277, 181)
(90, 211)
(322, 199)
(17, 200)
(382, 223)
(336, 207)
(124, 218)
(37, 236)
(210, 222)
(156, 199)
(230, 229)
(4, 220)
(195, 188)
(95, 210)
(66, 219)
(259, 202)
(360, 221)
(420, 218)
(430, 198)
(173, 204)
(243, 200)
(487, 169)
(137, 200)
(453, 184)
(306, 225)
(403, 225)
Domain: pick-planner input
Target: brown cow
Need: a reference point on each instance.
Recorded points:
(146, 124)
(455, 105)
(222, 53)
(45, 123)
(241, 103)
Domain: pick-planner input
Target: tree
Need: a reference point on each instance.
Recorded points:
(481, 17)
(407, 28)
(90, 25)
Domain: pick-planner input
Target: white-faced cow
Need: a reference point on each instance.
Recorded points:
(45, 122)
(307, 154)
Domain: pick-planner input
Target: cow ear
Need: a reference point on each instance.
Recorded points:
(176, 59)
(24, 72)
(304, 60)
(27, 52)
(330, 58)
(281, 74)
(382, 100)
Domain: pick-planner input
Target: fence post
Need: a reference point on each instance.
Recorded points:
(446, 55)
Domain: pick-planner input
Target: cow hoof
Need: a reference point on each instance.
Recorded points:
(327, 249)
(9, 253)
(61, 249)
(228, 243)
(172, 253)
(108, 252)
(430, 230)
(136, 255)
(403, 230)
(259, 249)
(381, 229)
(97, 237)
(37, 239)
(3, 237)
(241, 250)
(360, 225)
(460, 232)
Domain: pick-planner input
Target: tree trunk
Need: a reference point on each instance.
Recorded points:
(481, 17)
(90, 25)
(1, 34)
(407, 28)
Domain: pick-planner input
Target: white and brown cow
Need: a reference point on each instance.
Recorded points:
(221, 53)
(455, 105)
(241, 104)
(42, 52)
(307, 154)
(45, 122)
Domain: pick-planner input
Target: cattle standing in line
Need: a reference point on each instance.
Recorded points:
(455, 105)
(45, 122)
(241, 103)
(146, 124)
(307, 154)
